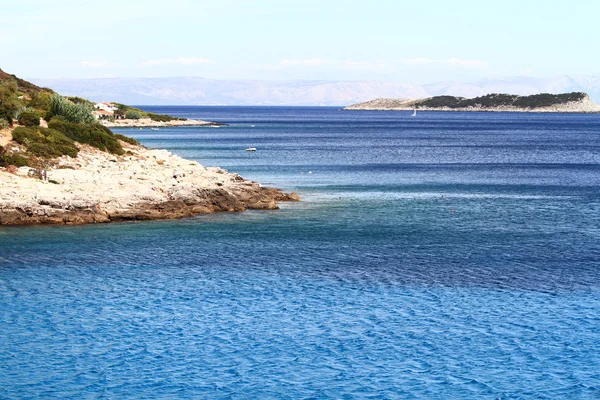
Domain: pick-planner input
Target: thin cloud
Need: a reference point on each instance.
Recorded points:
(179, 60)
(450, 61)
(93, 64)
(330, 64)
(309, 62)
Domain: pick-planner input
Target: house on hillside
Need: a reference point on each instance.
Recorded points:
(110, 107)
(102, 114)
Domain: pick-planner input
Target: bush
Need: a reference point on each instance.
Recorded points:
(17, 114)
(498, 100)
(163, 117)
(4, 123)
(30, 117)
(13, 159)
(40, 100)
(127, 139)
(45, 142)
(547, 99)
(80, 113)
(132, 114)
(79, 100)
(9, 103)
(95, 135)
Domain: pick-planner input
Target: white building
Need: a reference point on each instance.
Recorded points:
(100, 114)
(109, 107)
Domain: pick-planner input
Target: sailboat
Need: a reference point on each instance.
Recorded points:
(414, 114)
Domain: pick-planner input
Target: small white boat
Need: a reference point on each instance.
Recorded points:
(251, 149)
(414, 114)
(154, 129)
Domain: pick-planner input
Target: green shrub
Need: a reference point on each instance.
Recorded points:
(498, 100)
(127, 139)
(3, 123)
(547, 99)
(95, 135)
(45, 142)
(79, 100)
(9, 104)
(13, 159)
(17, 114)
(163, 117)
(132, 114)
(30, 117)
(159, 117)
(40, 101)
(79, 113)
(24, 135)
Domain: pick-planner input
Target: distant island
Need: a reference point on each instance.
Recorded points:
(575, 102)
(61, 164)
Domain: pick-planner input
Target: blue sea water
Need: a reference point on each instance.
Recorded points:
(447, 255)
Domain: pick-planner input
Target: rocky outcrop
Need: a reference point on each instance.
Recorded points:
(149, 123)
(97, 187)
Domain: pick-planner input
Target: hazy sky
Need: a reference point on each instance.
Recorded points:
(406, 41)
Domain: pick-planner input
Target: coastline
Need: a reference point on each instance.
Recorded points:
(144, 184)
(583, 106)
(475, 109)
(148, 123)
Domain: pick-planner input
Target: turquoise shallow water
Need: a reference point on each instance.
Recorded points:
(450, 255)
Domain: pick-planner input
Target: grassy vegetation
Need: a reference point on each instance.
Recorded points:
(499, 100)
(45, 142)
(95, 135)
(7, 159)
(163, 117)
(79, 113)
(70, 121)
(132, 114)
(127, 139)
(135, 113)
(30, 117)
(546, 99)
(80, 100)
(9, 101)
(442, 101)
(17, 94)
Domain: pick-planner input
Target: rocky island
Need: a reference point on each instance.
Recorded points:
(58, 165)
(575, 102)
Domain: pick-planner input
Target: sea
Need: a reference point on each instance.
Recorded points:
(442, 256)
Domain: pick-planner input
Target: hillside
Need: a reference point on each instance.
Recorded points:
(37, 124)
(544, 102)
(60, 165)
(22, 85)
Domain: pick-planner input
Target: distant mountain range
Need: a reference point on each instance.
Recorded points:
(201, 91)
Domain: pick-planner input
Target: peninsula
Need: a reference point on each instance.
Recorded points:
(60, 165)
(575, 102)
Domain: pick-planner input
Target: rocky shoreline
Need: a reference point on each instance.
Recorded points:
(149, 123)
(97, 187)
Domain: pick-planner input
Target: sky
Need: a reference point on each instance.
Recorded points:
(413, 42)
